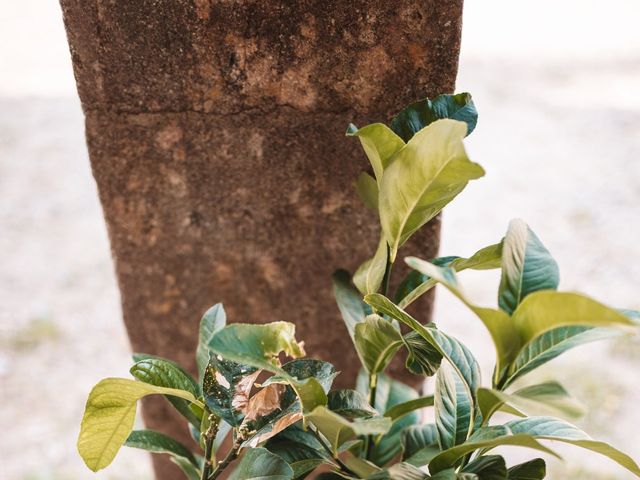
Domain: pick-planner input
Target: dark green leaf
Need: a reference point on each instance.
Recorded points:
(549, 428)
(157, 442)
(338, 430)
(423, 358)
(303, 368)
(549, 345)
(418, 115)
(261, 464)
(484, 438)
(534, 469)
(405, 408)
(504, 334)
(417, 437)
(455, 352)
(400, 471)
(302, 458)
(527, 266)
(488, 467)
(212, 321)
(377, 341)
(453, 407)
(226, 388)
(350, 404)
(349, 301)
(391, 393)
(165, 373)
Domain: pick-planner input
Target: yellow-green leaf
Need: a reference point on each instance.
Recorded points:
(370, 274)
(542, 311)
(424, 176)
(379, 143)
(109, 416)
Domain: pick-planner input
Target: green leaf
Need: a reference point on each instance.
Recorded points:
(392, 393)
(109, 416)
(455, 352)
(504, 334)
(212, 321)
(300, 457)
(349, 301)
(485, 438)
(423, 358)
(548, 428)
(484, 259)
(226, 388)
(488, 467)
(157, 442)
(165, 373)
(304, 368)
(322, 374)
(261, 464)
(370, 274)
(424, 176)
(527, 267)
(377, 341)
(422, 113)
(549, 345)
(453, 407)
(338, 430)
(367, 189)
(416, 437)
(542, 311)
(259, 346)
(410, 406)
(400, 471)
(361, 467)
(379, 143)
(549, 398)
(535, 469)
(350, 404)
(191, 472)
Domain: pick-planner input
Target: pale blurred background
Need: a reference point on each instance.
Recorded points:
(556, 84)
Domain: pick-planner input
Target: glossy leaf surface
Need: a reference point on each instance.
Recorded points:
(527, 266)
(422, 113)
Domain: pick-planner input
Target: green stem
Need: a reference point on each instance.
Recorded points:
(387, 275)
(209, 438)
(373, 388)
(224, 463)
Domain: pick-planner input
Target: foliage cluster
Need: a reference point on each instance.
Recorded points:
(285, 421)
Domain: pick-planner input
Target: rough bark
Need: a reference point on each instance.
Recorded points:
(216, 135)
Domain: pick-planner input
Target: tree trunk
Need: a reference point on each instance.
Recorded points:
(216, 135)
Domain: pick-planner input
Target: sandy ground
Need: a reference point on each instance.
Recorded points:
(559, 136)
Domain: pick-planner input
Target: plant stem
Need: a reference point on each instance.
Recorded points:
(224, 463)
(387, 275)
(327, 449)
(373, 378)
(209, 438)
